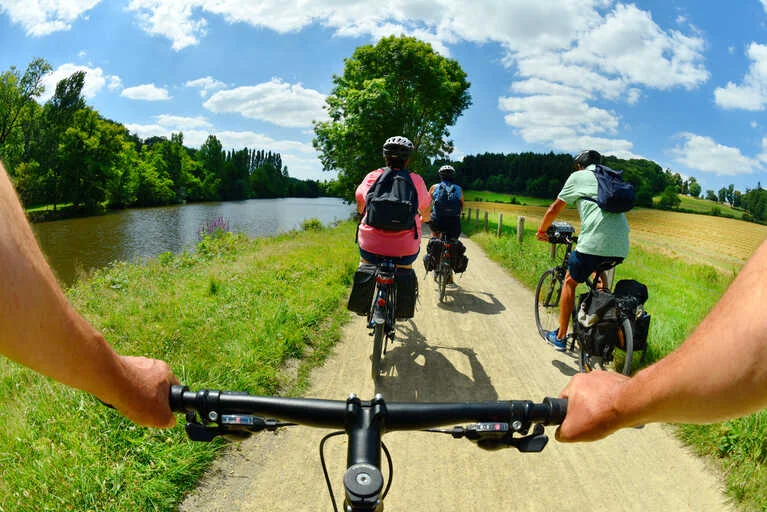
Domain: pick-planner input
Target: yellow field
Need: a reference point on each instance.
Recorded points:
(723, 243)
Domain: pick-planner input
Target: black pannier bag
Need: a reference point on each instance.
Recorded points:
(434, 248)
(363, 287)
(433, 251)
(630, 296)
(458, 259)
(428, 262)
(406, 288)
(597, 322)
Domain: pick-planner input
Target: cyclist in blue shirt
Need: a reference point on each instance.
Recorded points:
(604, 236)
(447, 204)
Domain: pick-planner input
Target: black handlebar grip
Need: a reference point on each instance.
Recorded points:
(558, 410)
(176, 398)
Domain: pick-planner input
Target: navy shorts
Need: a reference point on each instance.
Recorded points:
(581, 265)
(378, 259)
(451, 226)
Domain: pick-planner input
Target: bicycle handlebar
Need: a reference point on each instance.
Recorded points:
(211, 413)
(321, 413)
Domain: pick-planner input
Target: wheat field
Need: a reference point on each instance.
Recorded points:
(723, 243)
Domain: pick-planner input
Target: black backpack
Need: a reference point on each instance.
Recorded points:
(392, 202)
(447, 202)
(613, 194)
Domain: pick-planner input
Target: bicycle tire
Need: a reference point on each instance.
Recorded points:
(442, 277)
(628, 338)
(378, 340)
(547, 295)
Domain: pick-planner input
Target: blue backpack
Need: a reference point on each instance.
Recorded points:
(447, 200)
(613, 194)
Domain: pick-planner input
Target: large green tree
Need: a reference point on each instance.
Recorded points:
(17, 93)
(399, 86)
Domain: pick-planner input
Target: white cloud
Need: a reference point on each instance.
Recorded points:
(115, 83)
(706, 155)
(275, 101)
(764, 4)
(752, 93)
(43, 17)
(180, 123)
(206, 85)
(585, 50)
(95, 79)
(146, 92)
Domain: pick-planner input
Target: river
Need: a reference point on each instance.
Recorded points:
(75, 246)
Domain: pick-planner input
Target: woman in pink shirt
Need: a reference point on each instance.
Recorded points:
(402, 247)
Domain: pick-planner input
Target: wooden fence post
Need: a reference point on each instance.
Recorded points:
(485, 222)
(520, 228)
(476, 218)
(468, 217)
(500, 224)
(552, 251)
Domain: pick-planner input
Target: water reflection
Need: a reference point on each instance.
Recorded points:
(76, 245)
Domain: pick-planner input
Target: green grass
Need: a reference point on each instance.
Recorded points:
(706, 207)
(497, 197)
(254, 315)
(680, 295)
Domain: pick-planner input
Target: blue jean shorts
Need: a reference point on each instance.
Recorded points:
(582, 265)
(377, 259)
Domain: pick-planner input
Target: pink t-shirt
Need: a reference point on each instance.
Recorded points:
(394, 244)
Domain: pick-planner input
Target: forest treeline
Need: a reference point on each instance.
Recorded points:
(543, 175)
(65, 152)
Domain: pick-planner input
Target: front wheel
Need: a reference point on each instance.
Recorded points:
(378, 340)
(547, 302)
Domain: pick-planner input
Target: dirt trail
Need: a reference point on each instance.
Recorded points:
(481, 344)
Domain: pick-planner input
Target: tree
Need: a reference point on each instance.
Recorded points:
(16, 92)
(694, 187)
(400, 86)
(670, 198)
(711, 195)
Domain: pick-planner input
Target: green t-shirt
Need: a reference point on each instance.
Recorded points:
(602, 233)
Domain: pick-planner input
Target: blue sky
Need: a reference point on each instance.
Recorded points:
(683, 83)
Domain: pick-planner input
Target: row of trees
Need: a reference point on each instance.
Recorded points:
(65, 152)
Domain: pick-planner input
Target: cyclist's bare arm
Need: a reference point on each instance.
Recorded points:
(550, 216)
(719, 372)
(40, 329)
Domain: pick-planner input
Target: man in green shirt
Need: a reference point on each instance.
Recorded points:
(604, 236)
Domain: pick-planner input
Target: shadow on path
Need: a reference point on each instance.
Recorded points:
(413, 370)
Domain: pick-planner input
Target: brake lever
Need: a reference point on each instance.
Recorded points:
(495, 436)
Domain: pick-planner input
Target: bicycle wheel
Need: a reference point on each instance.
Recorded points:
(588, 362)
(547, 302)
(442, 279)
(628, 338)
(378, 341)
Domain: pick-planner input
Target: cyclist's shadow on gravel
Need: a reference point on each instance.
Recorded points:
(460, 300)
(413, 370)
